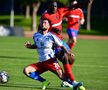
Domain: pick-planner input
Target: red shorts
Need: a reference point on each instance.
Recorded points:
(51, 65)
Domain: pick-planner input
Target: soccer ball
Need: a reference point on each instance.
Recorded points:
(4, 77)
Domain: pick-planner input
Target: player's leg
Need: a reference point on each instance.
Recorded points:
(70, 77)
(76, 85)
(67, 68)
(33, 71)
(70, 58)
(59, 53)
(53, 66)
(69, 81)
(71, 42)
(56, 69)
(62, 56)
(72, 37)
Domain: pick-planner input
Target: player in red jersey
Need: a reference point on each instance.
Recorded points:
(75, 17)
(55, 16)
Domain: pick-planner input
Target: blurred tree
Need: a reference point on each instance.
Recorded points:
(27, 4)
(35, 4)
(65, 2)
(12, 14)
(88, 27)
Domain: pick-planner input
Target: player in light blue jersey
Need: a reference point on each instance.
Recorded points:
(43, 42)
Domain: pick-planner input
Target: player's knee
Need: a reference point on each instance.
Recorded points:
(72, 40)
(24, 71)
(60, 74)
(27, 70)
(71, 59)
(65, 59)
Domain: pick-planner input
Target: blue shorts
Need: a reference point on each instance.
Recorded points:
(72, 33)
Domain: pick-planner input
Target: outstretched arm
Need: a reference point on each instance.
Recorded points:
(67, 51)
(29, 45)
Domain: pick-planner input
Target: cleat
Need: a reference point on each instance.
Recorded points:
(77, 85)
(45, 84)
(66, 84)
(81, 88)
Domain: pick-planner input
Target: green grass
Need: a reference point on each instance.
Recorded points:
(91, 65)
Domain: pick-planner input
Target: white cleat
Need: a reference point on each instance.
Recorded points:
(66, 84)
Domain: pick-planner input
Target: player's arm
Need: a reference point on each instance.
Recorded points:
(29, 45)
(82, 21)
(67, 51)
(58, 42)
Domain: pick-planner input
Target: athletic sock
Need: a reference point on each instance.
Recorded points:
(68, 72)
(71, 65)
(36, 76)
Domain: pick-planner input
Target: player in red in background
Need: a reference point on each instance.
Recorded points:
(75, 17)
(55, 16)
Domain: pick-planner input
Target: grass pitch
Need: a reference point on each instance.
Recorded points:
(91, 65)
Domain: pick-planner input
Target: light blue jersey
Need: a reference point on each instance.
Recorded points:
(44, 44)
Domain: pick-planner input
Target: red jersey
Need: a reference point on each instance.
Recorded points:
(73, 18)
(56, 18)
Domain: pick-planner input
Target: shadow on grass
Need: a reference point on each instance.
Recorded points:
(20, 85)
(13, 57)
(31, 86)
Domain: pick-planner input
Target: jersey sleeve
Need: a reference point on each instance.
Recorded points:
(64, 10)
(56, 40)
(81, 13)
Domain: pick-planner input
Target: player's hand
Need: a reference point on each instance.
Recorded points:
(70, 54)
(27, 44)
(71, 58)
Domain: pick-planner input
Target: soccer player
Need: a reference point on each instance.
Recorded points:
(55, 16)
(43, 42)
(75, 18)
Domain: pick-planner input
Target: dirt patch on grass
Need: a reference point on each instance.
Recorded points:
(29, 34)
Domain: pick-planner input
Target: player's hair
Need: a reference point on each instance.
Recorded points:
(47, 20)
(51, 2)
(39, 27)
